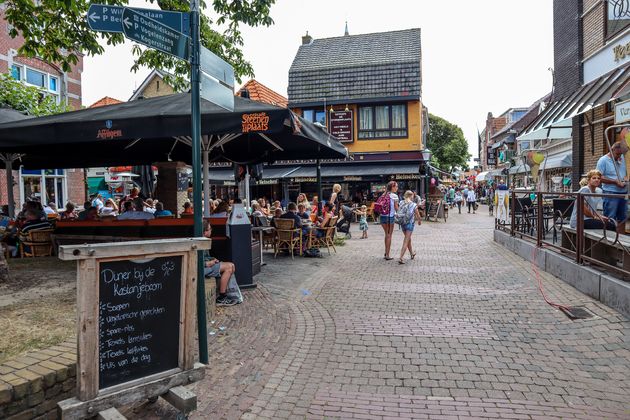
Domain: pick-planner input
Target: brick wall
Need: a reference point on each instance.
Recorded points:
(593, 27)
(73, 77)
(567, 45)
(157, 87)
(589, 143)
(32, 385)
(76, 185)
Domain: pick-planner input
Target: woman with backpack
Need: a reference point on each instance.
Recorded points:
(406, 217)
(387, 206)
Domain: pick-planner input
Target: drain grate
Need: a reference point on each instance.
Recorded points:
(577, 312)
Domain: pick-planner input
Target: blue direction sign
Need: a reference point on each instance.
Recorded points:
(152, 33)
(106, 18)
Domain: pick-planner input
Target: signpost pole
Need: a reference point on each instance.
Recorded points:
(196, 161)
(319, 187)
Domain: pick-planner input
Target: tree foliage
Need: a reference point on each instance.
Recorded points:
(29, 100)
(57, 31)
(448, 145)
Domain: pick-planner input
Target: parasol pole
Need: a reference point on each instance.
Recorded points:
(206, 182)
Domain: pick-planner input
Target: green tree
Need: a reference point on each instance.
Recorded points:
(29, 100)
(57, 31)
(448, 145)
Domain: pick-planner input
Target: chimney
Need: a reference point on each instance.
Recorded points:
(244, 93)
(346, 33)
(307, 39)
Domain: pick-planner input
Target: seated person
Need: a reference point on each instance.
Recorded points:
(131, 212)
(188, 208)
(277, 213)
(159, 210)
(256, 211)
(149, 206)
(86, 207)
(217, 269)
(329, 213)
(221, 210)
(109, 208)
(304, 215)
(33, 222)
(69, 213)
(592, 218)
(292, 213)
(51, 210)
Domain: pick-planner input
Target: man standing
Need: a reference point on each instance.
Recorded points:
(613, 169)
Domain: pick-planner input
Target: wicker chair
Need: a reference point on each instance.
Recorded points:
(327, 239)
(36, 243)
(288, 236)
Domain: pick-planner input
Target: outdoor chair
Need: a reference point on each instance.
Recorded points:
(370, 212)
(327, 237)
(268, 237)
(562, 210)
(36, 243)
(287, 236)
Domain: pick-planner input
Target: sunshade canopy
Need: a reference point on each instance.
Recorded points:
(158, 129)
(9, 115)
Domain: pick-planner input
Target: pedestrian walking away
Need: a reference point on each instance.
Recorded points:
(388, 206)
(471, 200)
(458, 200)
(406, 216)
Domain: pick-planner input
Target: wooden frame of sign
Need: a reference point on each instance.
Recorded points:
(127, 294)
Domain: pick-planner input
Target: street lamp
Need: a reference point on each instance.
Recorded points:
(426, 157)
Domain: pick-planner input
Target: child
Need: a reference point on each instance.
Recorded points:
(363, 224)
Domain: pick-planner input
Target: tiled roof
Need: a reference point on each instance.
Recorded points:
(261, 93)
(105, 101)
(373, 65)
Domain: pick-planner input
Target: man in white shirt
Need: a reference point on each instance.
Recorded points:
(132, 214)
(470, 199)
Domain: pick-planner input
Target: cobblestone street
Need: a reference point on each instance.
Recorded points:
(461, 331)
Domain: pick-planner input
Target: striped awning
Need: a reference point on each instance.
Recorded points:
(555, 122)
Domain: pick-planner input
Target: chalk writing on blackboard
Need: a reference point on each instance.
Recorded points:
(139, 318)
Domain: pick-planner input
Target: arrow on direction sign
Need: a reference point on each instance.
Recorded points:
(106, 18)
(152, 33)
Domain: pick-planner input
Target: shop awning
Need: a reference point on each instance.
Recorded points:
(358, 170)
(555, 122)
(559, 161)
(482, 176)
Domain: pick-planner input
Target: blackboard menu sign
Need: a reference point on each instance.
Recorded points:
(139, 318)
(341, 125)
(182, 181)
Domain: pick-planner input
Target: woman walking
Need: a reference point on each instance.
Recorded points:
(409, 214)
(471, 198)
(387, 220)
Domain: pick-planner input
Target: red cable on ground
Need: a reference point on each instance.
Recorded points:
(540, 286)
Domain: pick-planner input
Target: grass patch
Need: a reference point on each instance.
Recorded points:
(36, 325)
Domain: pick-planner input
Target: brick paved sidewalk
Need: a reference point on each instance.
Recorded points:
(461, 331)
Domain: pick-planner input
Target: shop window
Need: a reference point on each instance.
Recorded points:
(315, 115)
(383, 121)
(617, 16)
(35, 78)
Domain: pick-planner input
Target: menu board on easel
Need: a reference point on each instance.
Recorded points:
(139, 312)
(135, 321)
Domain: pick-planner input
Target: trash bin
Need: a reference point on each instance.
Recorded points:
(240, 233)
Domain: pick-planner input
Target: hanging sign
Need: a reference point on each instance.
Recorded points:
(341, 125)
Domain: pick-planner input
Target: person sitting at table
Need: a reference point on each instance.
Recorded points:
(221, 210)
(109, 208)
(159, 210)
(98, 202)
(149, 205)
(33, 222)
(188, 208)
(256, 212)
(264, 206)
(292, 213)
(301, 199)
(276, 205)
(86, 207)
(276, 215)
(133, 211)
(592, 218)
(314, 205)
(304, 215)
(69, 213)
(51, 210)
(221, 270)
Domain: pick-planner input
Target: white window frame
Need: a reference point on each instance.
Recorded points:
(43, 194)
(56, 94)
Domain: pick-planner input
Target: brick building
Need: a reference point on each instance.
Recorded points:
(592, 75)
(47, 185)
